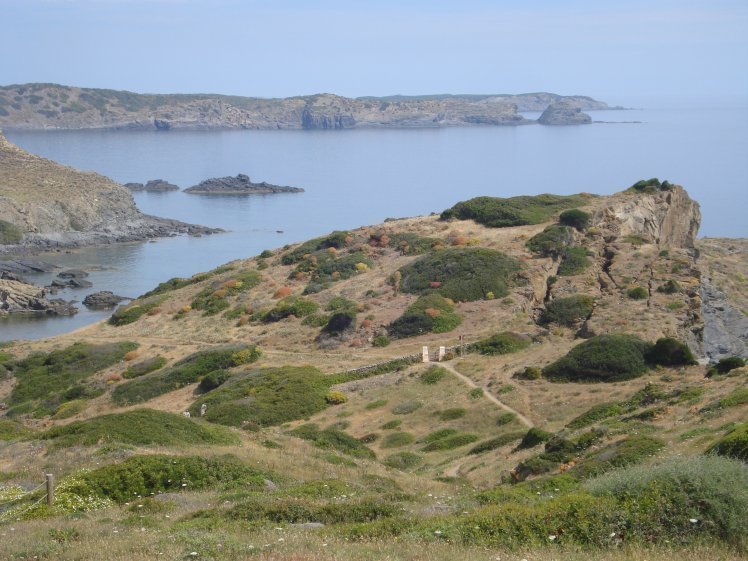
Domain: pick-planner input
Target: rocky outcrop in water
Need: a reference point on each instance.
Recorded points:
(24, 298)
(153, 186)
(55, 206)
(239, 185)
(564, 113)
(104, 299)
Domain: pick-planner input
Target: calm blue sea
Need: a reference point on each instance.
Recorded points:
(359, 177)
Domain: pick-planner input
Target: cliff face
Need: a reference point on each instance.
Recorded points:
(54, 205)
(50, 106)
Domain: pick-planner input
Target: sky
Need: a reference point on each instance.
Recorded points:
(622, 51)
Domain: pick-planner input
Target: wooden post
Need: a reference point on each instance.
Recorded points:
(50, 489)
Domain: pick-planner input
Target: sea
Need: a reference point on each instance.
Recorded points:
(359, 177)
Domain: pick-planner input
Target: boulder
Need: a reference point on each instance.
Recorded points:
(72, 274)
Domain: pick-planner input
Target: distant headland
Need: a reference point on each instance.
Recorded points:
(52, 106)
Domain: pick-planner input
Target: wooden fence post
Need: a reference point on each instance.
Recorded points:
(50, 489)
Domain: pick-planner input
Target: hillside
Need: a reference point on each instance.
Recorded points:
(46, 205)
(573, 420)
(52, 106)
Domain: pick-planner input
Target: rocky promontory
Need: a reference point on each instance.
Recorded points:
(153, 186)
(20, 297)
(45, 205)
(239, 185)
(564, 113)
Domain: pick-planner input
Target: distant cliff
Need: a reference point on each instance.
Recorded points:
(50, 106)
(44, 204)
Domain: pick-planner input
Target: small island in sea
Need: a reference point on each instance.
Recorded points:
(239, 185)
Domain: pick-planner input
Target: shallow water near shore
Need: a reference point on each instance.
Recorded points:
(359, 177)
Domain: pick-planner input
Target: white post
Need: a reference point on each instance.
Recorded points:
(425, 354)
(442, 352)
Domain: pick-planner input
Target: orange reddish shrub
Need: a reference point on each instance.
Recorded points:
(243, 320)
(366, 324)
(432, 312)
(132, 355)
(231, 283)
(113, 378)
(154, 311)
(282, 292)
(460, 240)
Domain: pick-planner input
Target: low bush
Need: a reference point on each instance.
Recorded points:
(637, 293)
(153, 474)
(650, 186)
(403, 460)
(70, 409)
(266, 397)
(533, 437)
(381, 341)
(296, 306)
(736, 397)
(393, 424)
(594, 414)
(9, 233)
(316, 320)
(133, 311)
(176, 283)
(452, 413)
(461, 274)
(144, 367)
(432, 375)
(336, 398)
(575, 218)
(529, 373)
(552, 241)
(333, 439)
(376, 404)
(409, 243)
(569, 310)
(631, 450)
(11, 430)
(497, 442)
(725, 365)
(476, 393)
(212, 380)
(214, 298)
(45, 380)
(186, 371)
(406, 407)
(338, 240)
(573, 261)
(604, 358)
(339, 322)
(139, 427)
(497, 212)
(505, 418)
(670, 287)
(295, 511)
(734, 444)
(670, 352)
(502, 343)
(438, 435)
(397, 439)
(450, 442)
(431, 313)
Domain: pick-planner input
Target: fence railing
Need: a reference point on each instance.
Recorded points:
(16, 507)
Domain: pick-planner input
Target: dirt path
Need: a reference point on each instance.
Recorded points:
(524, 420)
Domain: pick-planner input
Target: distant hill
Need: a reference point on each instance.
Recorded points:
(52, 106)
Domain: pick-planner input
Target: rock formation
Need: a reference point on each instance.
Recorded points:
(239, 185)
(102, 300)
(564, 113)
(56, 206)
(153, 186)
(24, 298)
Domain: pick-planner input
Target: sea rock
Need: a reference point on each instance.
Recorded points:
(153, 186)
(25, 266)
(102, 300)
(24, 298)
(564, 113)
(72, 274)
(239, 185)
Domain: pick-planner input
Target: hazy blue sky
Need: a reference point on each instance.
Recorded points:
(621, 51)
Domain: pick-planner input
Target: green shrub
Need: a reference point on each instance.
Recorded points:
(604, 358)
(266, 397)
(376, 404)
(637, 293)
(337, 239)
(552, 241)
(184, 372)
(406, 407)
(340, 322)
(409, 243)
(631, 450)
(734, 444)
(176, 283)
(266, 253)
(214, 298)
(496, 212)
(432, 375)
(333, 439)
(393, 424)
(734, 398)
(397, 439)
(725, 365)
(144, 367)
(502, 343)
(575, 218)
(670, 352)
(70, 409)
(212, 380)
(452, 413)
(497, 442)
(341, 304)
(650, 186)
(529, 373)
(336, 398)
(450, 442)
(475, 393)
(45, 380)
(381, 341)
(505, 418)
(568, 311)
(431, 313)
(461, 274)
(132, 312)
(297, 512)
(438, 435)
(11, 430)
(291, 306)
(139, 427)
(316, 320)
(662, 500)
(670, 287)
(533, 437)
(152, 474)
(403, 460)
(594, 414)
(573, 261)
(9, 233)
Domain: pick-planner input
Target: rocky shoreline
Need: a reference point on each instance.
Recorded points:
(239, 185)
